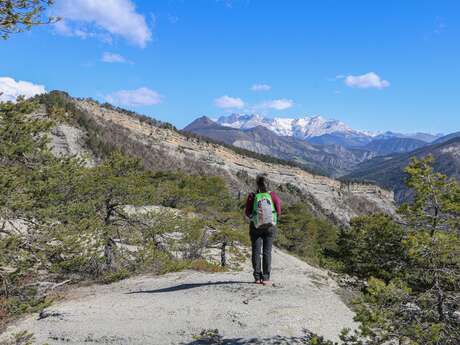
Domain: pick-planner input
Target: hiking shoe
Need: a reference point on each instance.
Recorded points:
(258, 281)
(267, 282)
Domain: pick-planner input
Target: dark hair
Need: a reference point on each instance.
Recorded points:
(262, 183)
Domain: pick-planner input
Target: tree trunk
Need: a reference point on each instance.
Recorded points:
(109, 254)
(440, 299)
(223, 254)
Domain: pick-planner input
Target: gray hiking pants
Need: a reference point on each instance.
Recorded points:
(262, 239)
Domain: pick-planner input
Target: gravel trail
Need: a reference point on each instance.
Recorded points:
(173, 308)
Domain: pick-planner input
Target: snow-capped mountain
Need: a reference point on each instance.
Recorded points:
(425, 137)
(302, 128)
(317, 129)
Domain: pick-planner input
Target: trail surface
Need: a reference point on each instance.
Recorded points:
(173, 308)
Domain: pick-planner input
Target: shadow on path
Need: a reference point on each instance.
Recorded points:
(188, 286)
(278, 340)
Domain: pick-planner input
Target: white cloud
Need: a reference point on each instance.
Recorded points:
(10, 89)
(114, 58)
(366, 81)
(141, 96)
(229, 102)
(261, 87)
(112, 17)
(277, 104)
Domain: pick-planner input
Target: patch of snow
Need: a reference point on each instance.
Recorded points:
(304, 127)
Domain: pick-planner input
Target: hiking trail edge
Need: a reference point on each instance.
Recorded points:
(173, 308)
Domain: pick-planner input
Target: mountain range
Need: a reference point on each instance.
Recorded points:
(317, 129)
(333, 160)
(332, 148)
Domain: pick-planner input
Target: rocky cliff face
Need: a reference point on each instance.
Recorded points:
(163, 148)
(66, 140)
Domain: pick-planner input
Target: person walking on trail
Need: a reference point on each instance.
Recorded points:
(263, 208)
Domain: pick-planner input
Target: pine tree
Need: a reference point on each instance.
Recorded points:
(418, 300)
(21, 15)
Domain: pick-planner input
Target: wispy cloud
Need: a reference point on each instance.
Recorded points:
(227, 102)
(102, 19)
(227, 3)
(114, 58)
(138, 97)
(10, 89)
(440, 26)
(261, 87)
(277, 104)
(365, 81)
(173, 19)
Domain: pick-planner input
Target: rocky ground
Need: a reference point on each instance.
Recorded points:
(175, 308)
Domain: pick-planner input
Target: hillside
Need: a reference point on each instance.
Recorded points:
(383, 147)
(388, 171)
(163, 148)
(447, 138)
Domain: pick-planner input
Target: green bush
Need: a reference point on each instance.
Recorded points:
(305, 235)
(372, 247)
(112, 277)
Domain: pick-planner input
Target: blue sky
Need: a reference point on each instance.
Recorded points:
(376, 65)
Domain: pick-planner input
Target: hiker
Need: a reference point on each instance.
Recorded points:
(263, 208)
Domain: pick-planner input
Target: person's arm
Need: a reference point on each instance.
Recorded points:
(277, 203)
(249, 205)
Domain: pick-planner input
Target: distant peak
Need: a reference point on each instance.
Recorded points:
(203, 121)
(203, 118)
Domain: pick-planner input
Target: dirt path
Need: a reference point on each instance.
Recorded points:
(171, 309)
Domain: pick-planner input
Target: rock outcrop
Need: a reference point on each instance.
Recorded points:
(175, 308)
(67, 140)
